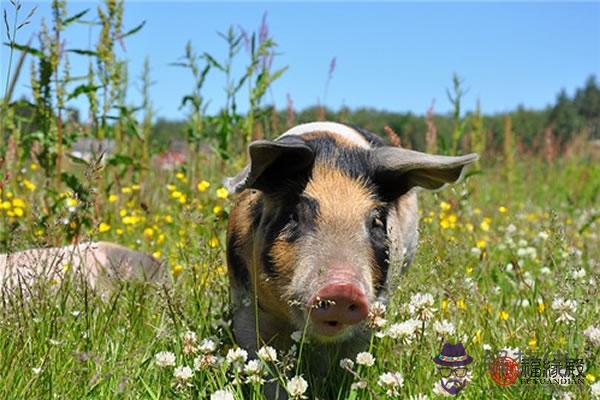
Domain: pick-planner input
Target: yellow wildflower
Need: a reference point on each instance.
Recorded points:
(113, 198)
(445, 206)
(469, 226)
(183, 199)
(222, 193)
(176, 194)
(156, 254)
(203, 185)
(33, 167)
(217, 210)
(469, 269)
(168, 219)
(126, 190)
(103, 227)
(135, 187)
(532, 343)
(18, 211)
(485, 224)
(17, 202)
(444, 304)
(181, 177)
(123, 212)
(477, 338)
(177, 269)
(148, 232)
(504, 315)
(5, 205)
(29, 185)
(119, 231)
(460, 303)
(171, 188)
(160, 239)
(590, 378)
(541, 307)
(213, 242)
(502, 209)
(481, 244)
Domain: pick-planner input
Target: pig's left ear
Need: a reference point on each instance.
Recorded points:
(398, 170)
(272, 164)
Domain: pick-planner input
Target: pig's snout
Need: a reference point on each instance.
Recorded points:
(336, 306)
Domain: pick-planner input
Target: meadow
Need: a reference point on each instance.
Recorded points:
(508, 259)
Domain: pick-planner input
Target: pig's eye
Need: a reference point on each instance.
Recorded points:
(293, 218)
(377, 223)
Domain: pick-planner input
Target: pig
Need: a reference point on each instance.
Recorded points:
(325, 222)
(101, 264)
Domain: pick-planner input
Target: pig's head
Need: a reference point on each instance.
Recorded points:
(320, 229)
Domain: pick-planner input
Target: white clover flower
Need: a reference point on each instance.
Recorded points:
(545, 270)
(189, 342)
(253, 367)
(563, 396)
(375, 318)
(564, 308)
(525, 303)
(595, 390)
(365, 358)
(164, 359)
(579, 274)
(404, 331)
(190, 336)
(543, 235)
(36, 371)
(444, 328)
(511, 228)
(296, 336)
(593, 335)
(207, 346)
(254, 371)
(359, 385)
(222, 395)
(267, 354)
(296, 387)
(205, 361)
(486, 347)
(183, 373)
(236, 356)
(419, 396)
(476, 251)
(391, 381)
(346, 363)
(421, 306)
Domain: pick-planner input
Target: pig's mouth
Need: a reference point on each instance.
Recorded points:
(336, 311)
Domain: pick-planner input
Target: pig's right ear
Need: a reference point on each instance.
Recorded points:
(272, 164)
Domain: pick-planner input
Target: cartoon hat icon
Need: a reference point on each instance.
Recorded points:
(453, 355)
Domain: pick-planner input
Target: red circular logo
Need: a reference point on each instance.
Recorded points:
(504, 371)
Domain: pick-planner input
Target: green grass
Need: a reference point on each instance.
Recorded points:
(69, 343)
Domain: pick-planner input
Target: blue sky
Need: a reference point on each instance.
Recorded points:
(393, 56)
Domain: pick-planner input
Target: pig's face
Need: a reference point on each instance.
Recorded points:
(321, 236)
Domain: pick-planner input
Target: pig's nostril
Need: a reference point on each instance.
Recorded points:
(353, 307)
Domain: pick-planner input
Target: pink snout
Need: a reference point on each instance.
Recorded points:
(336, 306)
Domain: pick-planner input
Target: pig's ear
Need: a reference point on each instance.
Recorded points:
(398, 170)
(272, 164)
